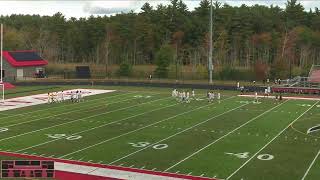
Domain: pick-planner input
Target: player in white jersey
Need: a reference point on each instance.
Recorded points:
(72, 96)
(49, 98)
(187, 97)
(62, 96)
(53, 97)
(180, 96)
(256, 97)
(183, 96)
(78, 96)
(193, 94)
(266, 92)
(173, 93)
(219, 97)
(209, 96)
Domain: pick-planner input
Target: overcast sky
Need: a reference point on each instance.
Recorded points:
(86, 8)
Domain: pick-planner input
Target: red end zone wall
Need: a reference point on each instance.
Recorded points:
(61, 175)
(296, 90)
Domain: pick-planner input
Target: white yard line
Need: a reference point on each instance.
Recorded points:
(81, 119)
(217, 140)
(130, 132)
(98, 127)
(178, 133)
(314, 160)
(253, 156)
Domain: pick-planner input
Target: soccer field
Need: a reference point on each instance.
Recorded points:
(148, 129)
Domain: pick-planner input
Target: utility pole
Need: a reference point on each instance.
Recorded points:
(210, 64)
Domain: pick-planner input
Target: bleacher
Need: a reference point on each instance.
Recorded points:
(304, 85)
(314, 74)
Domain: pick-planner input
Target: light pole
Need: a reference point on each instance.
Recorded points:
(210, 47)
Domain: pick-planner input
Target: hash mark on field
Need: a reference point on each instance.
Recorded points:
(177, 172)
(131, 166)
(153, 169)
(202, 175)
(189, 173)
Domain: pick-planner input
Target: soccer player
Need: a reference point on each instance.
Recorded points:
(193, 94)
(256, 97)
(62, 96)
(49, 98)
(266, 93)
(80, 96)
(188, 97)
(174, 93)
(72, 96)
(209, 96)
(77, 96)
(183, 96)
(180, 96)
(218, 97)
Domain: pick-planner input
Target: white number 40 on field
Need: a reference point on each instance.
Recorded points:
(245, 155)
(64, 136)
(145, 144)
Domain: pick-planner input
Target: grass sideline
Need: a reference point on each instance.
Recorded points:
(234, 139)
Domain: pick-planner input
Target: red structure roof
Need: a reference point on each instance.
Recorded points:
(24, 58)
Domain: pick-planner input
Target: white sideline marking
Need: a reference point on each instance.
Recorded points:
(178, 133)
(217, 140)
(81, 119)
(310, 166)
(99, 127)
(253, 156)
(133, 130)
(105, 172)
(37, 99)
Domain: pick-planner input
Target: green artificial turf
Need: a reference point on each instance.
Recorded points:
(146, 128)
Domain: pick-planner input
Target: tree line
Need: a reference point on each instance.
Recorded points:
(271, 41)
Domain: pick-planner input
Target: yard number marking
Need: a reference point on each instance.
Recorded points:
(2, 129)
(245, 155)
(65, 136)
(265, 157)
(240, 155)
(304, 105)
(145, 144)
(140, 96)
(244, 102)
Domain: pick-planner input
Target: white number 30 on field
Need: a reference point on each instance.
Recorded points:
(145, 144)
(64, 136)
